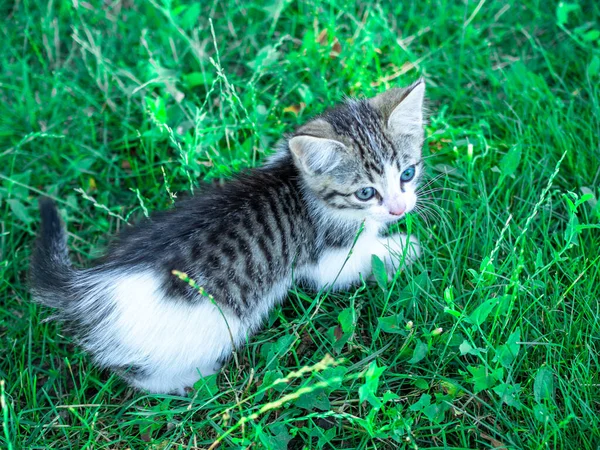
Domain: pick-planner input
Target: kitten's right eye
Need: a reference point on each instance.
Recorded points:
(366, 193)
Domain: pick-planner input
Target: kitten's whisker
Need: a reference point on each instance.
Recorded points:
(430, 212)
(422, 214)
(438, 220)
(426, 218)
(428, 191)
(434, 200)
(433, 180)
(434, 205)
(434, 209)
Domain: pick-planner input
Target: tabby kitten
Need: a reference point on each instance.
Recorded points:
(293, 220)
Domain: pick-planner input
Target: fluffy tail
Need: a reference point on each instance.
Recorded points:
(51, 273)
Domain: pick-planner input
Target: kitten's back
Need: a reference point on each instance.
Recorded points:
(252, 228)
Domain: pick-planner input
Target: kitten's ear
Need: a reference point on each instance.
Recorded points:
(315, 147)
(402, 108)
(316, 155)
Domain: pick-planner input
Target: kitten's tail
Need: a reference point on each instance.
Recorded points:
(51, 272)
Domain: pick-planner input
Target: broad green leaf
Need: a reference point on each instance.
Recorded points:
(586, 197)
(157, 106)
(593, 68)
(591, 35)
(206, 387)
(17, 185)
(278, 440)
(474, 274)
(422, 384)
(379, 272)
(368, 391)
(436, 411)
(388, 396)
(482, 378)
(482, 312)
(347, 319)
(265, 57)
(449, 296)
(194, 79)
(188, 16)
(419, 353)
(272, 352)
(543, 386)
(393, 324)
(305, 94)
(338, 338)
(562, 12)
(570, 205)
(270, 377)
(486, 265)
(539, 262)
(424, 400)
(454, 339)
(467, 349)
(452, 312)
(317, 399)
(451, 388)
(509, 394)
(283, 343)
(19, 210)
(542, 413)
(572, 231)
(588, 194)
(334, 377)
(326, 436)
(433, 412)
(510, 161)
(507, 353)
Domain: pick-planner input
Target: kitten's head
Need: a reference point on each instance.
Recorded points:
(363, 159)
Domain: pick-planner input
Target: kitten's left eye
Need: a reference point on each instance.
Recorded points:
(366, 193)
(408, 174)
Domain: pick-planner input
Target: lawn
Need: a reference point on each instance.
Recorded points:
(491, 340)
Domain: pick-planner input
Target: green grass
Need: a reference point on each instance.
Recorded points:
(492, 339)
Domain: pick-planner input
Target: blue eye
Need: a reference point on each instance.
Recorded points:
(408, 174)
(366, 193)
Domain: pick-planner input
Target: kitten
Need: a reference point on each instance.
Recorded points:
(245, 243)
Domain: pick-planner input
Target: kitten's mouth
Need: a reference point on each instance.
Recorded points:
(391, 218)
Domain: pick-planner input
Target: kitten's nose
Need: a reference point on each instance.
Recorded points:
(397, 211)
(396, 206)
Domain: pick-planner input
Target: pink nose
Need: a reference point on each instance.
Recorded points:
(397, 211)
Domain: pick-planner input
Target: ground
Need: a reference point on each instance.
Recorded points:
(491, 340)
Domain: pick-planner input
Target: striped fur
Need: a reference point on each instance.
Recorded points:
(246, 242)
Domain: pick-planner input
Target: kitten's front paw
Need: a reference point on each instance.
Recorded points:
(403, 250)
